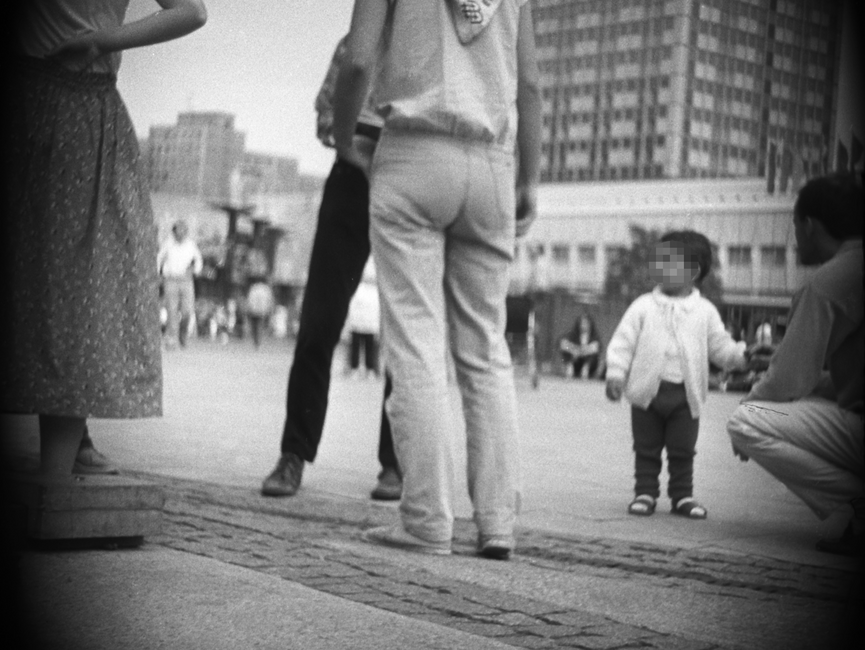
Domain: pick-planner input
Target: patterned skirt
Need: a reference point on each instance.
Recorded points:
(79, 328)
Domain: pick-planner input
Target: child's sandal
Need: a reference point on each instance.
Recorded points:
(690, 508)
(643, 505)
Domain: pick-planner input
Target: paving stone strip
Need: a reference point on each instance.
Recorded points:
(240, 527)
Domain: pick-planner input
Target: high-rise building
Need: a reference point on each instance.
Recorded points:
(196, 156)
(636, 89)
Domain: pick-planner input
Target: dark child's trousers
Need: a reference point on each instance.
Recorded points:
(339, 252)
(666, 423)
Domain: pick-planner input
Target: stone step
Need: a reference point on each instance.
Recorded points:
(85, 507)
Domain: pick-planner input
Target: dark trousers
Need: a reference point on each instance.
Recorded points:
(579, 362)
(370, 351)
(339, 253)
(666, 423)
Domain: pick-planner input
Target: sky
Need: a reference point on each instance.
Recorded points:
(262, 60)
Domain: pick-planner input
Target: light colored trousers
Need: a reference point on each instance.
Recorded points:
(812, 446)
(179, 302)
(442, 233)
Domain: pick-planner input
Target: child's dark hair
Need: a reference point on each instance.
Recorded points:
(696, 248)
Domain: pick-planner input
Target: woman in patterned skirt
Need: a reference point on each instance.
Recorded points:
(80, 334)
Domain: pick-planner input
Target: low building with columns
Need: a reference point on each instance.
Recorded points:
(581, 227)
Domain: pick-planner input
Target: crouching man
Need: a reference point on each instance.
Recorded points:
(803, 421)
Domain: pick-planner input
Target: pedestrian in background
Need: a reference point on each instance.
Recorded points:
(259, 306)
(581, 348)
(659, 358)
(179, 261)
(459, 87)
(340, 251)
(803, 421)
(77, 242)
(363, 325)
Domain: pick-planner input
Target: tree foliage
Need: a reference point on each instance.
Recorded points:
(628, 272)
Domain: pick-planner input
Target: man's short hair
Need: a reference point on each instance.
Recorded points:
(836, 202)
(696, 248)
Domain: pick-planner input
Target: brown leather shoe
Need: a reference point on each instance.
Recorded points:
(389, 486)
(284, 480)
(850, 544)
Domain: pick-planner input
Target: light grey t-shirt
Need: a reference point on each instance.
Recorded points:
(431, 82)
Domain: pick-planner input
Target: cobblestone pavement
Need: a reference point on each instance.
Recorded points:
(314, 540)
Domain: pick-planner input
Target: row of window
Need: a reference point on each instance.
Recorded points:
(614, 9)
(605, 88)
(627, 115)
(720, 151)
(738, 256)
(770, 256)
(772, 78)
(718, 10)
(563, 174)
(612, 143)
(721, 63)
(721, 143)
(561, 34)
(561, 62)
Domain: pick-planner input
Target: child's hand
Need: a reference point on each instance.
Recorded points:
(758, 349)
(615, 387)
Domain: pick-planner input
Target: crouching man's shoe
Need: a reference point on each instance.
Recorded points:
(284, 480)
(495, 547)
(850, 543)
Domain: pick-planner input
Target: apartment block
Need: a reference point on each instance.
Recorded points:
(196, 156)
(648, 89)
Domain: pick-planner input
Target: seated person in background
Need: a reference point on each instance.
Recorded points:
(581, 348)
(800, 423)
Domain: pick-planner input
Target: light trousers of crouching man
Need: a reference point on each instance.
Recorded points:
(812, 446)
(442, 234)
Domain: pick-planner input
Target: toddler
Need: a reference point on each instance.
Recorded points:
(659, 358)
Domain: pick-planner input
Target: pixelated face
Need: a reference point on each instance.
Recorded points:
(669, 269)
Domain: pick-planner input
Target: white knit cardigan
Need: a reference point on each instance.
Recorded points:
(636, 351)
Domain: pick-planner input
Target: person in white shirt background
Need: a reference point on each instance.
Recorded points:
(259, 307)
(179, 261)
(364, 324)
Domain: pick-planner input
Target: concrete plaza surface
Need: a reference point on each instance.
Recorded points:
(234, 569)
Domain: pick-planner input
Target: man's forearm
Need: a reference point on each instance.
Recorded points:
(349, 95)
(529, 133)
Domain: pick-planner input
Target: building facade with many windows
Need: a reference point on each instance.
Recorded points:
(643, 89)
(196, 156)
(582, 228)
